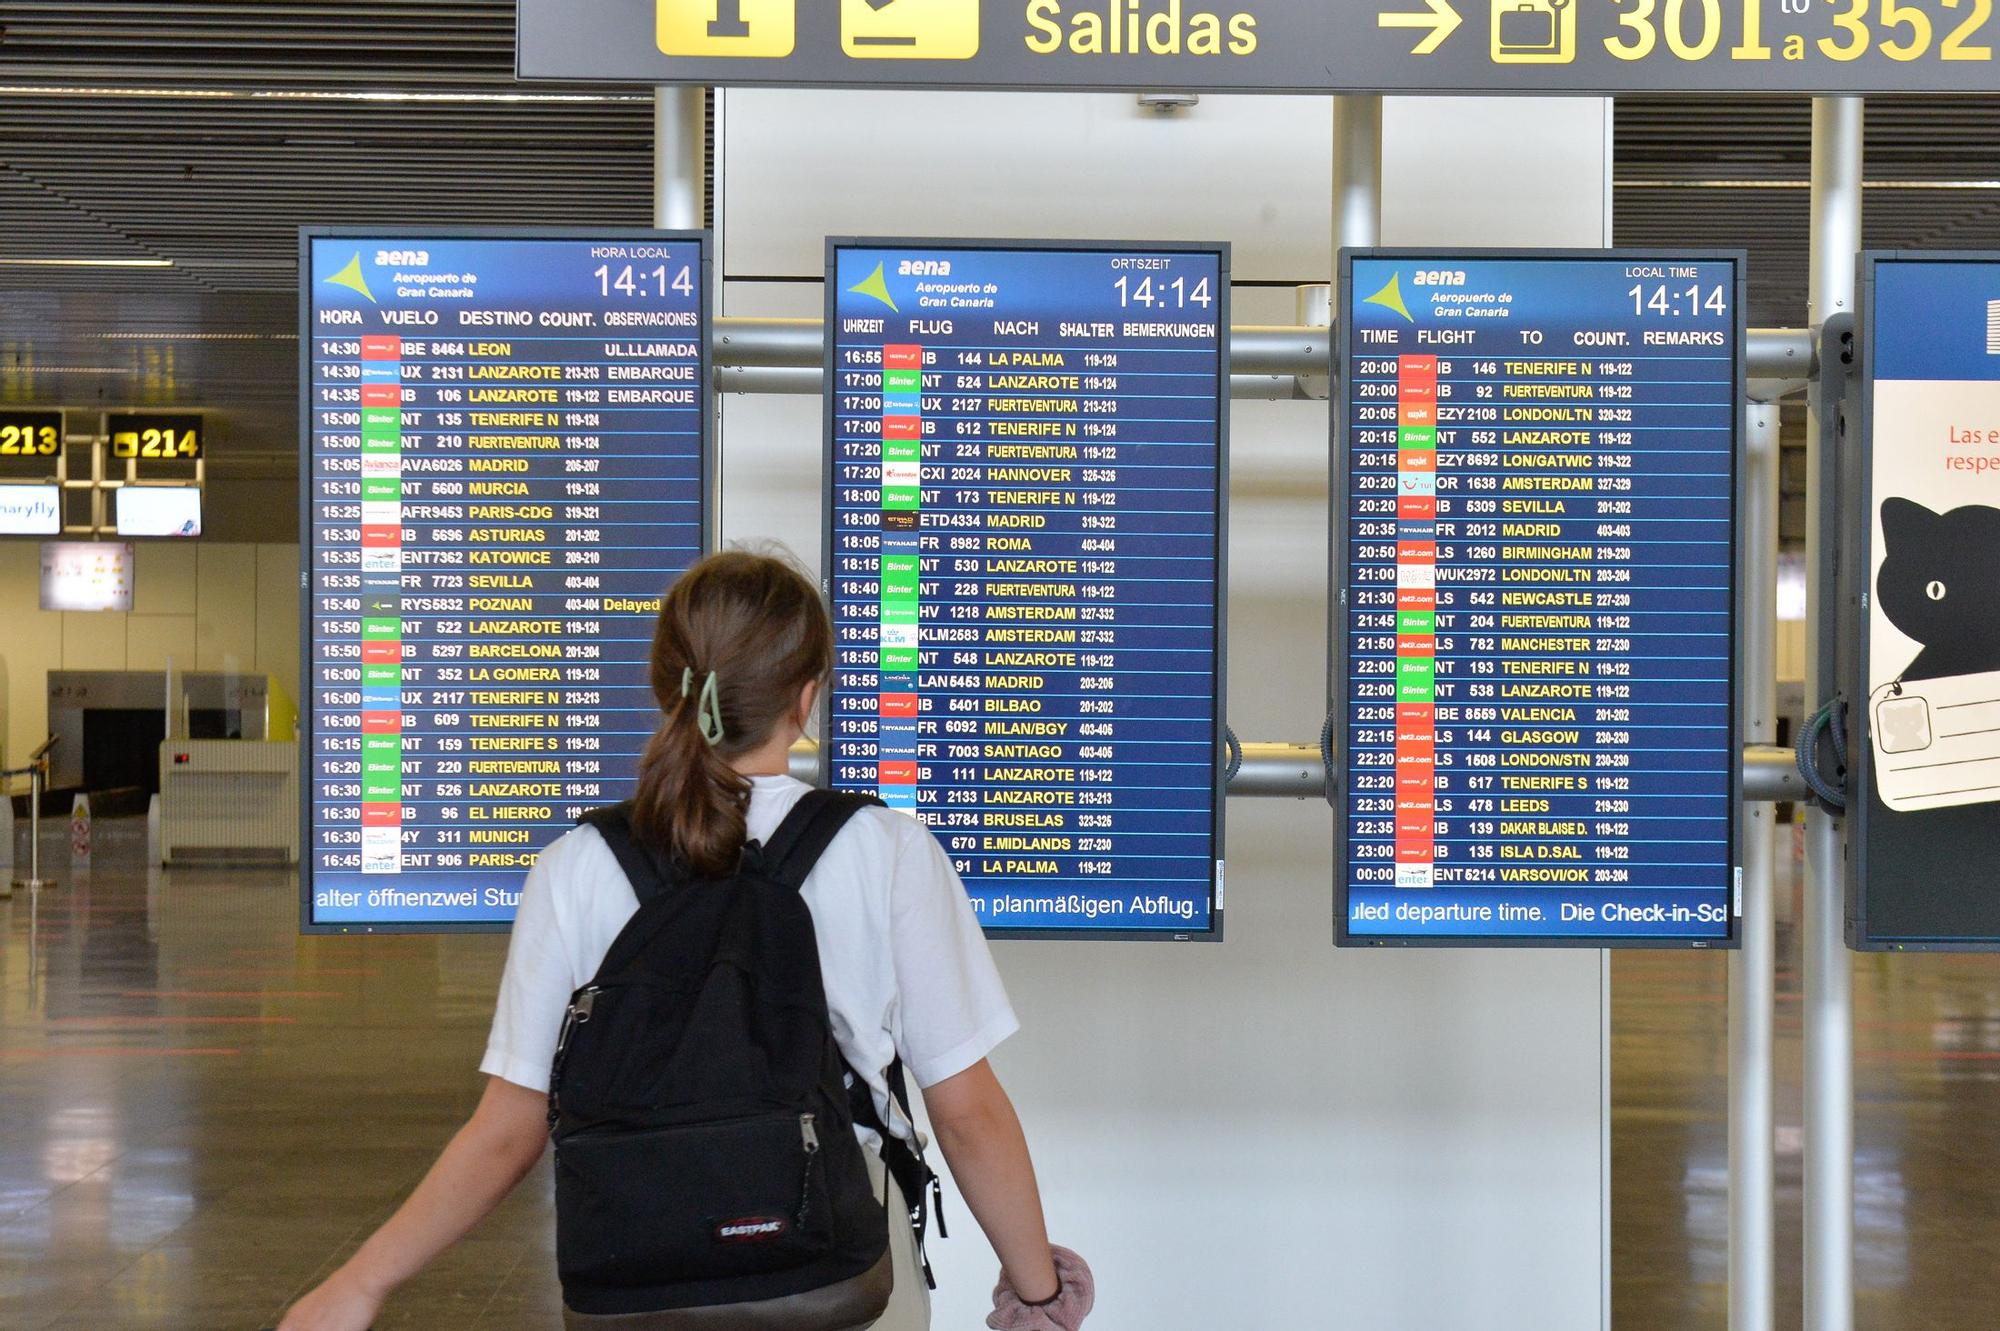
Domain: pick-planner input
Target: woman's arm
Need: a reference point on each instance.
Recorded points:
(489, 1155)
(981, 1137)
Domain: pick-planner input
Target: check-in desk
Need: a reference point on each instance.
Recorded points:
(228, 800)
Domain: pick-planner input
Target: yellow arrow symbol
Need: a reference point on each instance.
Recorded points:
(1441, 19)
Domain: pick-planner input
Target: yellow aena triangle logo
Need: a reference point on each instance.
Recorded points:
(873, 285)
(1390, 297)
(351, 278)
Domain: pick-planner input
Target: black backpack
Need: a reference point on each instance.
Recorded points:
(703, 1115)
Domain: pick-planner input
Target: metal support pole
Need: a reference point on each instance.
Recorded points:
(1357, 222)
(1753, 968)
(1357, 171)
(680, 157)
(1295, 772)
(1304, 350)
(1829, 981)
(34, 882)
(680, 203)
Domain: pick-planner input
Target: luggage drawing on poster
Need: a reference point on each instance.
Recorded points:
(1934, 645)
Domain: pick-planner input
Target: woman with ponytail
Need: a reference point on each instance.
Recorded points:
(742, 648)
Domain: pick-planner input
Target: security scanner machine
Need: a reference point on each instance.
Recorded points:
(229, 801)
(112, 721)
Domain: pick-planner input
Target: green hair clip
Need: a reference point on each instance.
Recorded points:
(708, 707)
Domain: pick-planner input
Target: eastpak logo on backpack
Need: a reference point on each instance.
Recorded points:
(701, 1109)
(752, 1229)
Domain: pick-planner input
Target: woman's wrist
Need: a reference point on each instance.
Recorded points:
(1042, 1303)
(361, 1275)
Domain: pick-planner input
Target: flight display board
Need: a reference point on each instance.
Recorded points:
(1921, 602)
(1535, 677)
(1027, 450)
(508, 458)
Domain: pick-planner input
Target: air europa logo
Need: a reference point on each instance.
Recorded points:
(1132, 27)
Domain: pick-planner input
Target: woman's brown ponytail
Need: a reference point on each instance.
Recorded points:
(759, 627)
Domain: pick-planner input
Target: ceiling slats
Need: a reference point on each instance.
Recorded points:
(1734, 172)
(207, 133)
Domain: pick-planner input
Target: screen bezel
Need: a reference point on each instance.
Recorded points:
(1339, 631)
(704, 239)
(1221, 251)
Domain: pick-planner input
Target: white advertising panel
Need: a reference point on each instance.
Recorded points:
(86, 575)
(159, 510)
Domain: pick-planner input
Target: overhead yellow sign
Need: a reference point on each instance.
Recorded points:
(757, 28)
(36, 434)
(1307, 46)
(910, 29)
(1534, 32)
(149, 435)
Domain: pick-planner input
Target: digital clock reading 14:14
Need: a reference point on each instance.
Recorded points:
(655, 281)
(1666, 299)
(1177, 294)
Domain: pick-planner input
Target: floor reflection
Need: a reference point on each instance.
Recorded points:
(205, 1111)
(1927, 1139)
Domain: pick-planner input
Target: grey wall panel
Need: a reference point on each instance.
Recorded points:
(1261, 1133)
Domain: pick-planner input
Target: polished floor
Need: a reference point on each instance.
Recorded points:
(1927, 1138)
(200, 1112)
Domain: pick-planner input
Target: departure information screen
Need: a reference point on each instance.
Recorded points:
(1536, 670)
(1025, 551)
(507, 462)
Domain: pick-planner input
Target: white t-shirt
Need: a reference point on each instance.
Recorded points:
(906, 968)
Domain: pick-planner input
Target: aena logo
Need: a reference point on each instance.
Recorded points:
(353, 278)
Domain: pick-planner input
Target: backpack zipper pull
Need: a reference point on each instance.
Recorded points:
(575, 1015)
(809, 1138)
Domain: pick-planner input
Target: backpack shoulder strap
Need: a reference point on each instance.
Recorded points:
(794, 848)
(904, 1160)
(649, 873)
(807, 831)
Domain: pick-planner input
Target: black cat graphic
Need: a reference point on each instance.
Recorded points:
(1940, 584)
